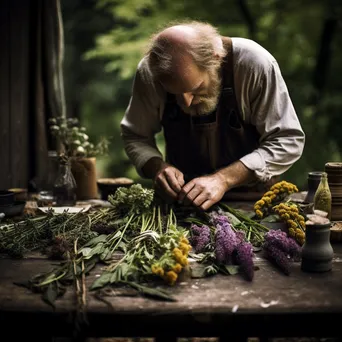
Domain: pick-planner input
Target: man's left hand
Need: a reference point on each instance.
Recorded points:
(203, 192)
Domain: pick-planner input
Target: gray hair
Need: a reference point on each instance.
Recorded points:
(160, 55)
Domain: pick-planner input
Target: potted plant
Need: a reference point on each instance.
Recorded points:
(73, 142)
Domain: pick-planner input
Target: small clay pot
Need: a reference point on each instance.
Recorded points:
(317, 252)
(6, 197)
(20, 194)
(108, 186)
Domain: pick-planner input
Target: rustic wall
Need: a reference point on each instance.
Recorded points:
(14, 93)
(31, 87)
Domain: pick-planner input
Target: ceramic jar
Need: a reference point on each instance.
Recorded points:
(314, 179)
(317, 252)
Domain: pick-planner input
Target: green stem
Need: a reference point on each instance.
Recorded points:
(160, 225)
(46, 282)
(122, 234)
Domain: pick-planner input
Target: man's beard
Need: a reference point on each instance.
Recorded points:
(206, 103)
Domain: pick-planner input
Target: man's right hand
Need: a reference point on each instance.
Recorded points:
(167, 179)
(168, 183)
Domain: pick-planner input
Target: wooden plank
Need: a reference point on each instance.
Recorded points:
(304, 304)
(19, 85)
(5, 174)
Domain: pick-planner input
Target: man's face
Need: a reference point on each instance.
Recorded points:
(197, 91)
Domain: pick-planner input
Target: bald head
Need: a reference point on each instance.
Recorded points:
(173, 48)
(178, 36)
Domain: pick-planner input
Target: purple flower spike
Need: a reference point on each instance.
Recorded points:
(225, 238)
(278, 257)
(295, 249)
(220, 249)
(280, 240)
(244, 257)
(200, 237)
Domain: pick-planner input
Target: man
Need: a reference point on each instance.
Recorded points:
(225, 111)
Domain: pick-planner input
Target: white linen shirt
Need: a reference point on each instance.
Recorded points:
(263, 101)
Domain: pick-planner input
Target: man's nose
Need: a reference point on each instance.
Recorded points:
(187, 99)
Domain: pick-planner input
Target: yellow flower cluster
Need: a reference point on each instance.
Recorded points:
(284, 187)
(170, 269)
(289, 213)
(276, 194)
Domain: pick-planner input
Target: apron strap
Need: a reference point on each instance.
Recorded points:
(229, 100)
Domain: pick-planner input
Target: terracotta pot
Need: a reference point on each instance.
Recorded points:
(108, 186)
(84, 172)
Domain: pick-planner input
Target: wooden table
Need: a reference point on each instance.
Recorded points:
(273, 305)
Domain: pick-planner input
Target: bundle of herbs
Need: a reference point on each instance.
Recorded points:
(50, 233)
(136, 240)
(224, 241)
(143, 244)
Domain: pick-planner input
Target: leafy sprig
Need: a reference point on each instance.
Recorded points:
(73, 140)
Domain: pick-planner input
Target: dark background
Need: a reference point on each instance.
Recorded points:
(105, 39)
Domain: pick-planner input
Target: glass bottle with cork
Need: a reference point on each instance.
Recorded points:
(322, 199)
(64, 189)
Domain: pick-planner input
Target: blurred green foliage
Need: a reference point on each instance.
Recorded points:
(105, 40)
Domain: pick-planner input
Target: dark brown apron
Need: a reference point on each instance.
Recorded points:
(201, 145)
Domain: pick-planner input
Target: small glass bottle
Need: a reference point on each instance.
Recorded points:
(64, 189)
(322, 199)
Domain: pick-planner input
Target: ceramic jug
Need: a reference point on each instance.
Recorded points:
(314, 178)
(317, 252)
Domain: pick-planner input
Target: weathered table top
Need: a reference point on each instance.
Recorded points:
(302, 304)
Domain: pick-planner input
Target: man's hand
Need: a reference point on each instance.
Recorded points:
(167, 179)
(168, 183)
(203, 192)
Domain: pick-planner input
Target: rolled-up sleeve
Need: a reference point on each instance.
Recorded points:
(282, 138)
(141, 121)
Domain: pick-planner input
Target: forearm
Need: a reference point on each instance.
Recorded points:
(139, 150)
(152, 167)
(274, 157)
(235, 175)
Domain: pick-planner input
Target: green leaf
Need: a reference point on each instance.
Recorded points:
(233, 219)
(148, 255)
(106, 254)
(257, 249)
(27, 284)
(50, 294)
(123, 246)
(248, 213)
(94, 241)
(198, 271)
(271, 218)
(230, 269)
(124, 269)
(150, 292)
(89, 266)
(211, 269)
(98, 249)
(116, 276)
(85, 251)
(102, 281)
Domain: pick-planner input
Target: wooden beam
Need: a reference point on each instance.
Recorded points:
(5, 156)
(19, 84)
